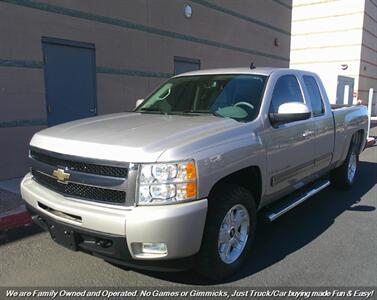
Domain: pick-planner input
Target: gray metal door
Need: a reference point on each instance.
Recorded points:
(70, 80)
(183, 64)
(344, 90)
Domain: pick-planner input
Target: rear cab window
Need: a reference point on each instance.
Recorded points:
(314, 94)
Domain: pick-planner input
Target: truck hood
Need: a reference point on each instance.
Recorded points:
(128, 137)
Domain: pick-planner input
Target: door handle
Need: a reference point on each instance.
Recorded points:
(307, 133)
(48, 108)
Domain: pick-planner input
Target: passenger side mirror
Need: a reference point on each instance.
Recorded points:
(138, 102)
(290, 112)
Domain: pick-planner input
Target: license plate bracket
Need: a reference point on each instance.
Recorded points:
(63, 236)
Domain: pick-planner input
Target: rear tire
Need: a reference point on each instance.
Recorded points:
(343, 177)
(229, 232)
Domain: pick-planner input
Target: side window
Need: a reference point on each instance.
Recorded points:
(286, 90)
(314, 95)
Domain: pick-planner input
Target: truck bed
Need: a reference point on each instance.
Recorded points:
(337, 106)
(347, 118)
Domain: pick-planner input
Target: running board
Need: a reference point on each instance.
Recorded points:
(279, 210)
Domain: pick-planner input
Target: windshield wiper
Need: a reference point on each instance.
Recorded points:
(152, 109)
(217, 114)
(203, 112)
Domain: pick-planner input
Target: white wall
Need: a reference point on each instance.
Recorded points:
(325, 36)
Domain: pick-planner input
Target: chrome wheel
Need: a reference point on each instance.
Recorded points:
(352, 163)
(233, 233)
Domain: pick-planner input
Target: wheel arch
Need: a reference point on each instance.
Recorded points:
(357, 139)
(249, 178)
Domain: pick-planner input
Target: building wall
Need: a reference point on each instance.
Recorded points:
(135, 42)
(368, 60)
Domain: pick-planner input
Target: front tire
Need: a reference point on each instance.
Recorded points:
(343, 177)
(229, 232)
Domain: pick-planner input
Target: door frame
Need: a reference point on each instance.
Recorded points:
(63, 42)
(350, 93)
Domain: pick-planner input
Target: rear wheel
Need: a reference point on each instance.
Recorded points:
(230, 229)
(344, 176)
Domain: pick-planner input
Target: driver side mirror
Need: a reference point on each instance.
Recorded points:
(290, 112)
(138, 102)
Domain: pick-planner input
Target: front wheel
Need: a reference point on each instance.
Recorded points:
(343, 177)
(229, 232)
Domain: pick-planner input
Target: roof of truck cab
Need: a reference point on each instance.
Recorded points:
(256, 71)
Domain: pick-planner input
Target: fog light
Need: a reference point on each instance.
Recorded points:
(154, 248)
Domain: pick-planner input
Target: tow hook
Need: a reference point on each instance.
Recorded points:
(103, 243)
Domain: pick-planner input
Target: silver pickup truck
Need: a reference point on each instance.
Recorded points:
(180, 181)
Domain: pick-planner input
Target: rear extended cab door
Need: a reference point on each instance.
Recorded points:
(290, 147)
(316, 96)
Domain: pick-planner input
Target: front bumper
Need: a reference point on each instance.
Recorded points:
(179, 226)
(111, 248)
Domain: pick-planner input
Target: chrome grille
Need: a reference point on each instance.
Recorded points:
(111, 171)
(81, 191)
(85, 178)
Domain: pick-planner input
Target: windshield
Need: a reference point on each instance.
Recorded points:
(237, 96)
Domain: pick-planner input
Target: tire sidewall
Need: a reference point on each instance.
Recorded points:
(339, 176)
(230, 197)
(350, 152)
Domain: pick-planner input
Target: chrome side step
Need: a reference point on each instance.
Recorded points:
(278, 211)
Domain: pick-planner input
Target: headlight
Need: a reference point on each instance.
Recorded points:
(166, 183)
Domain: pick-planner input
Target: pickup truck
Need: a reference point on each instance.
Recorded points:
(181, 180)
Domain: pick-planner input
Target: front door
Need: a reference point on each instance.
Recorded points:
(70, 80)
(344, 90)
(291, 146)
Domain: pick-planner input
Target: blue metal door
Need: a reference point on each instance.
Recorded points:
(70, 80)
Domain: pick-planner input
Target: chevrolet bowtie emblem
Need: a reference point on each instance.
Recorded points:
(60, 175)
